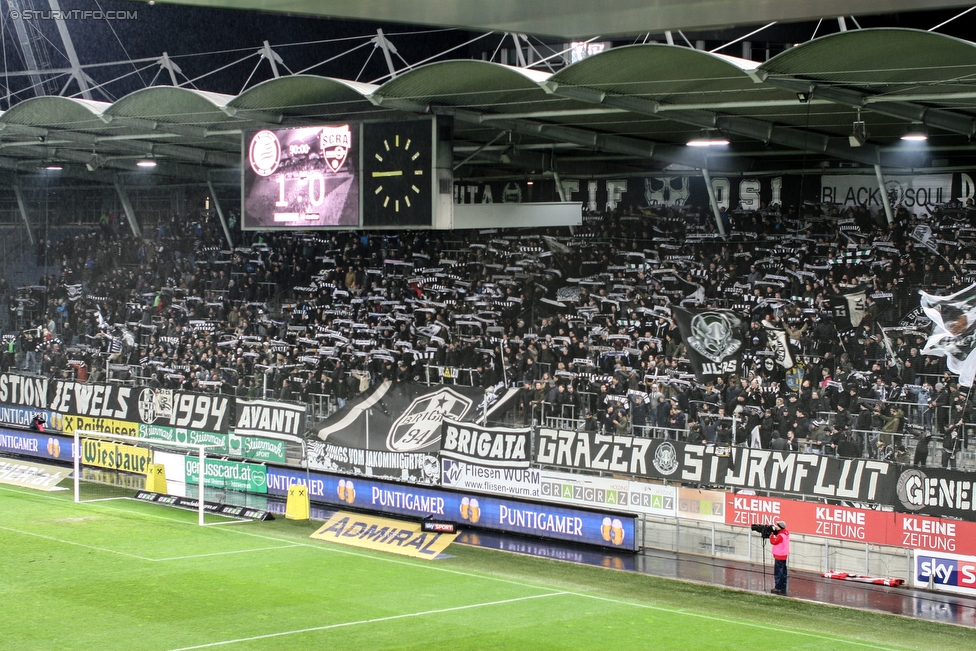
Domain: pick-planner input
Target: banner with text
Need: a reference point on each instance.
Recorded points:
(594, 527)
(863, 480)
(919, 194)
(210, 413)
(858, 525)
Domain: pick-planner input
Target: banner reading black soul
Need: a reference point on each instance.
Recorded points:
(211, 413)
(933, 491)
(862, 480)
(713, 339)
(393, 432)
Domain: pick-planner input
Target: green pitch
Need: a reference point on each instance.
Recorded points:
(130, 576)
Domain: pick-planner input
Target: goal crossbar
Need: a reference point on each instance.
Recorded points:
(137, 442)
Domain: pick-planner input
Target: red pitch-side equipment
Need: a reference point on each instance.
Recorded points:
(858, 578)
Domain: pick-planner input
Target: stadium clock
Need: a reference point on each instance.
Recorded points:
(397, 174)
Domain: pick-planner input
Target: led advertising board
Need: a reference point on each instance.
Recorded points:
(301, 178)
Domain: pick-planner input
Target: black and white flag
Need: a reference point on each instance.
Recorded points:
(953, 331)
(713, 339)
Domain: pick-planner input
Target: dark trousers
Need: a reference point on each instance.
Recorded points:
(779, 574)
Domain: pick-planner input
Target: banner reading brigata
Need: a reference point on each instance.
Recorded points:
(863, 480)
(492, 446)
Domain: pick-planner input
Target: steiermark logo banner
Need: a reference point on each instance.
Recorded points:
(230, 475)
(216, 443)
(257, 448)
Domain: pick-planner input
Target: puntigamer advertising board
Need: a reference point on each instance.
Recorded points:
(604, 528)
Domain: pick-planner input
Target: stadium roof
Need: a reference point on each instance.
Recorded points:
(577, 19)
(627, 109)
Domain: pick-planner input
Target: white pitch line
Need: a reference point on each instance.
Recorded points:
(360, 622)
(487, 577)
(236, 551)
(70, 542)
(725, 620)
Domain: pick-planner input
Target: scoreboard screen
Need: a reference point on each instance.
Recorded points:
(301, 178)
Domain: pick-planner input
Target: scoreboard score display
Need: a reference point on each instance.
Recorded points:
(372, 175)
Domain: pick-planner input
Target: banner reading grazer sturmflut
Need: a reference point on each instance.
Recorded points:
(862, 480)
(713, 340)
(393, 432)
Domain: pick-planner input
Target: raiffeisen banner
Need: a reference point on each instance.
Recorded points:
(604, 528)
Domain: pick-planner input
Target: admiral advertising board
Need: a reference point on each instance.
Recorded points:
(604, 528)
(945, 572)
(863, 480)
(210, 413)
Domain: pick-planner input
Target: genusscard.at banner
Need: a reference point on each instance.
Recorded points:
(864, 480)
(393, 432)
(713, 340)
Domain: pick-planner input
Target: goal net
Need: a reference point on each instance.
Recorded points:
(115, 466)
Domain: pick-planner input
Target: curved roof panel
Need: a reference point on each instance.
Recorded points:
(305, 95)
(879, 59)
(467, 83)
(172, 104)
(57, 112)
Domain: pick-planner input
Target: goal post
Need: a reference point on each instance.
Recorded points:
(120, 460)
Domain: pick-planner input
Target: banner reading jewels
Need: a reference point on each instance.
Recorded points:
(863, 480)
(205, 412)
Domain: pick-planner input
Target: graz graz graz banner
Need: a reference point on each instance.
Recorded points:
(863, 480)
(211, 413)
(392, 432)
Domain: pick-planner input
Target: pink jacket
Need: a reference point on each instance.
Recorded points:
(781, 544)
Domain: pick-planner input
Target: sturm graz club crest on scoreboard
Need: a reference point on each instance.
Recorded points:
(713, 341)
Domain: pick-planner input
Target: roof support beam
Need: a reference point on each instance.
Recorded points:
(127, 206)
(741, 126)
(583, 137)
(22, 206)
(933, 117)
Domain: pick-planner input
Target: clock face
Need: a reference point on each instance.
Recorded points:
(397, 174)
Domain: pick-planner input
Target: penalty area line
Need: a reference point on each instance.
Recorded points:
(374, 620)
(236, 551)
(77, 544)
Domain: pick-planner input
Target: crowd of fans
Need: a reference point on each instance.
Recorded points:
(579, 321)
